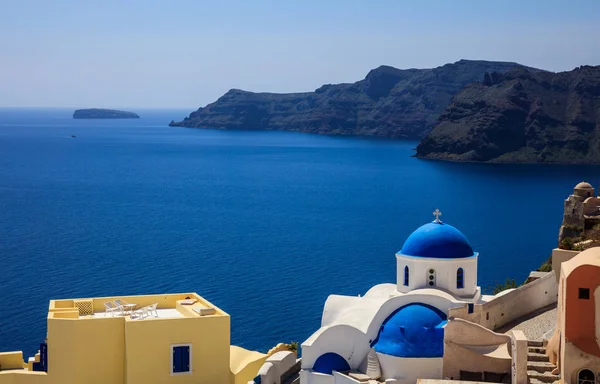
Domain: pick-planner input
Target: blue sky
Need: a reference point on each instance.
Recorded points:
(152, 53)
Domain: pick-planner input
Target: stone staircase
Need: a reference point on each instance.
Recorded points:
(539, 368)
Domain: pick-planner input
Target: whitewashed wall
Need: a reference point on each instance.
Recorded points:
(346, 341)
(445, 272)
(512, 305)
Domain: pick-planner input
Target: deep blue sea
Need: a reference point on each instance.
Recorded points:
(264, 224)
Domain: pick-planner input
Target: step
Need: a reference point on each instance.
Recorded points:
(537, 350)
(536, 381)
(535, 343)
(534, 356)
(540, 366)
(543, 377)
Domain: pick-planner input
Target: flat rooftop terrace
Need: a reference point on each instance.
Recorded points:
(135, 308)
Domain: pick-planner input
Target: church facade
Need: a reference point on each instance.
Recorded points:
(396, 332)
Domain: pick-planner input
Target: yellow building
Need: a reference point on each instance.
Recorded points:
(171, 338)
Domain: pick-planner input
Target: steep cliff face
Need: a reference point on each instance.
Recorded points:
(521, 116)
(388, 102)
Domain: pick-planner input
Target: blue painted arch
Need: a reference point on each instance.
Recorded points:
(329, 362)
(414, 330)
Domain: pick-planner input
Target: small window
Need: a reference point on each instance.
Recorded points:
(471, 307)
(487, 315)
(181, 359)
(584, 293)
(460, 278)
(406, 275)
(431, 277)
(586, 376)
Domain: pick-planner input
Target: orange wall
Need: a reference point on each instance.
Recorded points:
(580, 319)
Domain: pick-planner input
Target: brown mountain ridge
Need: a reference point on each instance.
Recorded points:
(521, 116)
(388, 102)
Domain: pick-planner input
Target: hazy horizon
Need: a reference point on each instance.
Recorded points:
(149, 55)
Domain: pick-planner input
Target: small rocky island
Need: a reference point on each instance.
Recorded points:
(96, 113)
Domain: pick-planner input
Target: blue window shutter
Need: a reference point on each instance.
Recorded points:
(176, 359)
(185, 359)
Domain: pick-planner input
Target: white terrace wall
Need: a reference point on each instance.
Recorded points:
(278, 367)
(512, 305)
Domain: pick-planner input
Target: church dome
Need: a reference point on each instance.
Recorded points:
(437, 240)
(415, 330)
(584, 185)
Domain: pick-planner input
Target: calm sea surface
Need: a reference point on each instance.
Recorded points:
(264, 224)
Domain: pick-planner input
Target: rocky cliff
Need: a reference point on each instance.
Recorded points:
(521, 116)
(96, 113)
(388, 102)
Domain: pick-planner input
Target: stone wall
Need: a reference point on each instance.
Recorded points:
(573, 219)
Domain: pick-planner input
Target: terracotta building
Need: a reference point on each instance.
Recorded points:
(574, 346)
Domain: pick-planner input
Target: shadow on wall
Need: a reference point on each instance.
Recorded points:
(472, 350)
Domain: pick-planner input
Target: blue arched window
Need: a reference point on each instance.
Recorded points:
(460, 278)
(406, 275)
(330, 362)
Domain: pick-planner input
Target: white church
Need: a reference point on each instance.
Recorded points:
(395, 332)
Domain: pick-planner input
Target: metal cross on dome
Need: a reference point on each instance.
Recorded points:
(437, 213)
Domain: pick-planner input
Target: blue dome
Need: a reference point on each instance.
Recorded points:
(415, 330)
(437, 240)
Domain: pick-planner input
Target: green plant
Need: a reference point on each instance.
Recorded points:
(578, 247)
(575, 228)
(546, 267)
(293, 346)
(508, 284)
(566, 243)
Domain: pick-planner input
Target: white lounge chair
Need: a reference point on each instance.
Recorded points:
(126, 308)
(152, 309)
(110, 307)
(141, 313)
(120, 302)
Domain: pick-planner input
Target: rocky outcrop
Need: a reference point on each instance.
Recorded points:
(95, 113)
(388, 102)
(521, 116)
